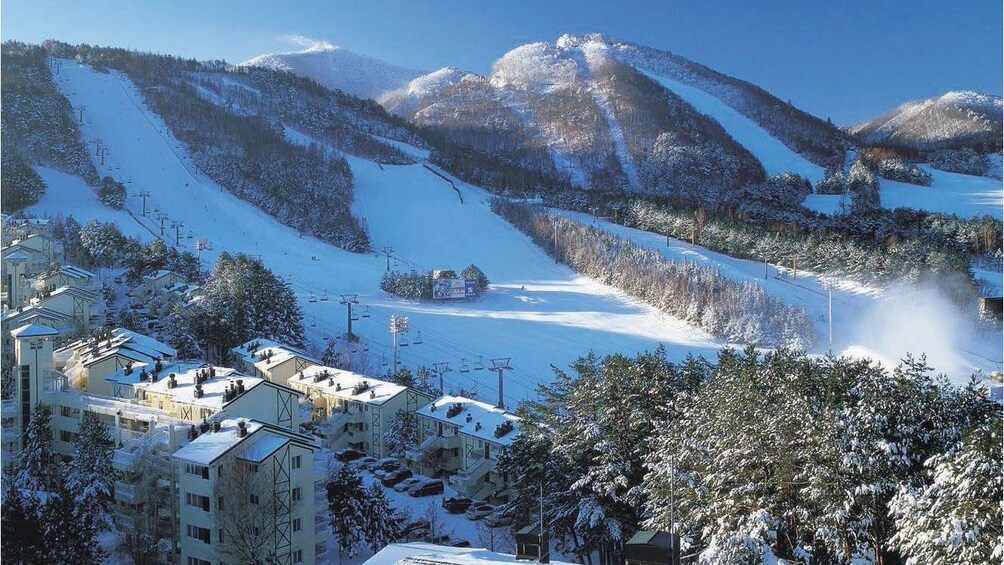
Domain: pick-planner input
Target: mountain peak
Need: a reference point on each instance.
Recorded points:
(338, 68)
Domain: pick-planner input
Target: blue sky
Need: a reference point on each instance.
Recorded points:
(847, 60)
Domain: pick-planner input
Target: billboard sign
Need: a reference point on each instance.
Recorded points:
(449, 289)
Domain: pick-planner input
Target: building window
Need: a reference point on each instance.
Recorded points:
(66, 436)
(253, 498)
(254, 468)
(197, 561)
(200, 470)
(220, 536)
(297, 525)
(298, 556)
(296, 461)
(197, 501)
(69, 412)
(195, 532)
(296, 494)
(219, 503)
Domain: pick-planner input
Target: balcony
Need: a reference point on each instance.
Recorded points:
(476, 471)
(433, 442)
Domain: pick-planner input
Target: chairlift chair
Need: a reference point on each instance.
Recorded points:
(464, 367)
(480, 365)
(366, 345)
(418, 338)
(324, 297)
(313, 321)
(383, 360)
(366, 312)
(403, 341)
(313, 298)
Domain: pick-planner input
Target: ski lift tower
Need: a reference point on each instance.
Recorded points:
(202, 244)
(398, 324)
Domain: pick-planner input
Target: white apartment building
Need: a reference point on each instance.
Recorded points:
(270, 359)
(462, 439)
(353, 410)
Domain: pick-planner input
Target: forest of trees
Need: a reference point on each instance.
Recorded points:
(54, 512)
(881, 246)
(38, 122)
(738, 312)
(418, 286)
(762, 457)
(241, 299)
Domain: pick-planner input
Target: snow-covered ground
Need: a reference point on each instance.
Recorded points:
(949, 193)
(884, 323)
(775, 156)
(538, 313)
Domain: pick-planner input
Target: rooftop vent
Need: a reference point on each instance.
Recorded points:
(242, 429)
(171, 381)
(457, 408)
(216, 426)
(361, 387)
(198, 391)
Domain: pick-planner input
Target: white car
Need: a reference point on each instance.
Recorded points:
(479, 510)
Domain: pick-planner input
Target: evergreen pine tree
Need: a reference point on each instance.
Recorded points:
(36, 469)
(381, 524)
(21, 532)
(91, 476)
(347, 507)
(69, 538)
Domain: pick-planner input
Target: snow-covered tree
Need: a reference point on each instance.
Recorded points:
(347, 506)
(112, 193)
(957, 517)
(402, 433)
(21, 529)
(68, 537)
(91, 476)
(36, 468)
(243, 299)
(964, 160)
(381, 523)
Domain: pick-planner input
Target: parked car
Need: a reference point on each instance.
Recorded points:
(348, 454)
(381, 472)
(395, 477)
(498, 520)
(456, 504)
(457, 543)
(427, 487)
(415, 531)
(479, 510)
(364, 461)
(381, 463)
(406, 484)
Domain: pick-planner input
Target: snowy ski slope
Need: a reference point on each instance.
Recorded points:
(775, 156)
(538, 313)
(871, 321)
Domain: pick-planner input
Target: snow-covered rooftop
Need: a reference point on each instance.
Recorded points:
(70, 290)
(33, 330)
(121, 341)
(346, 384)
(261, 441)
(160, 274)
(209, 446)
(420, 553)
(29, 312)
(475, 418)
(70, 271)
(214, 388)
(264, 353)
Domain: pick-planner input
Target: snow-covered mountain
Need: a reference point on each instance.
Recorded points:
(955, 119)
(338, 68)
(601, 112)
